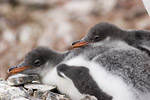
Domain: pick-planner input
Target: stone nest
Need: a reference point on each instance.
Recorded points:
(28, 87)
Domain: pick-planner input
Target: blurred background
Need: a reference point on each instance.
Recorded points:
(25, 24)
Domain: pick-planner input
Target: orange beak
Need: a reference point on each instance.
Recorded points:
(78, 44)
(15, 69)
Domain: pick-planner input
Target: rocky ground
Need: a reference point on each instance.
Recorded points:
(28, 87)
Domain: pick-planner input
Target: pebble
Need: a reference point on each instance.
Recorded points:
(88, 97)
(17, 91)
(19, 79)
(40, 87)
(20, 98)
(54, 96)
(8, 93)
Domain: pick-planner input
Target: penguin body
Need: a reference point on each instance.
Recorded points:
(64, 85)
(82, 80)
(122, 74)
(133, 67)
(112, 87)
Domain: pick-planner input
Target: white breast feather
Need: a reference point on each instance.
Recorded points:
(110, 84)
(63, 85)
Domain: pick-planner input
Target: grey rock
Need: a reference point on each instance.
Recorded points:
(3, 84)
(19, 79)
(4, 95)
(9, 93)
(33, 98)
(88, 97)
(38, 94)
(25, 98)
(30, 92)
(40, 87)
(17, 91)
(54, 96)
(20, 98)
(3, 90)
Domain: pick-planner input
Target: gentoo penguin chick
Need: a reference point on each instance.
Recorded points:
(81, 78)
(105, 32)
(38, 61)
(122, 74)
(43, 61)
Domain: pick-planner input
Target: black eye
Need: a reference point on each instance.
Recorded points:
(96, 38)
(37, 63)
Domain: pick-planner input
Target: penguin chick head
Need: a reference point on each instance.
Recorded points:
(100, 32)
(38, 61)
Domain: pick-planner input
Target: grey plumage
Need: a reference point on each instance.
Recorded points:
(129, 64)
(38, 59)
(53, 58)
(88, 52)
(132, 65)
(136, 38)
(43, 54)
(83, 81)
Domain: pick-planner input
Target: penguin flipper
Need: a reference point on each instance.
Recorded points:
(82, 80)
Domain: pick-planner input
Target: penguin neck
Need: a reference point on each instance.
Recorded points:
(57, 57)
(127, 36)
(54, 59)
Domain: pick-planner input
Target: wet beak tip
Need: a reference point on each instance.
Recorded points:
(8, 71)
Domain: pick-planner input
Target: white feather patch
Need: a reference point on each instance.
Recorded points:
(109, 83)
(64, 85)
